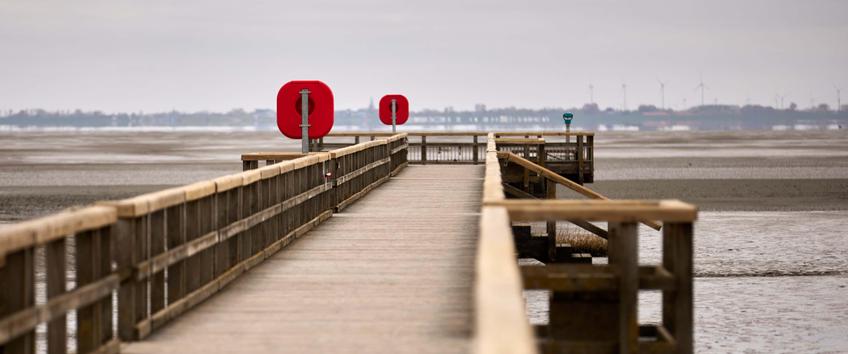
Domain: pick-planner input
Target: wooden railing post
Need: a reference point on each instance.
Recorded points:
(132, 296)
(623, 243)
(249, 165)
(18, 293)
(176, 231)
(542, 155)
(580, 159)
(527, 148)
(388, 155)
(423, 149)
(677, 303)
(207, 223)
(476, 152)
(56, 285)
(158, 232)
(551, 226)
(93, 261)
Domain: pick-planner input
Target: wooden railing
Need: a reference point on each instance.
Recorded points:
(165, 252)
(500, 323)
(593, 308)
(89, 230)
(425, 147)
(571, 154)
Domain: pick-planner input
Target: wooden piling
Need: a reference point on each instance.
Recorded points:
(677, 311)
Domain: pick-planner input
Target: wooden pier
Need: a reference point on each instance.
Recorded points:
(367, 247)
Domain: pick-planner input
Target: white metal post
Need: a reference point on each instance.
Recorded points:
(304, 122)
(394, 115)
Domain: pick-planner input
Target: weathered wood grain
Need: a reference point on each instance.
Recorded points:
(500, 324)
(598, 210)
(371, 279)
(40, 231)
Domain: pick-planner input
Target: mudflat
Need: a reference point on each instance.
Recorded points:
(42, 172)
(736, 194)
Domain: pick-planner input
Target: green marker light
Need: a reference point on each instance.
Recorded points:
(566, 118)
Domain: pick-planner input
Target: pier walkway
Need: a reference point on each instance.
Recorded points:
(391, 273)
(385, 245)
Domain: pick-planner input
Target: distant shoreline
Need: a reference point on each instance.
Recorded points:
(590, 117)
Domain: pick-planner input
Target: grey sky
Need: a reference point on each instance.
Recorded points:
(120, 55)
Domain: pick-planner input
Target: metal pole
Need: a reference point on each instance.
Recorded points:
(567, 131)
(394, 115)
(304, 121)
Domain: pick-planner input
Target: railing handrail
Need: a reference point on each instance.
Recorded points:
(413, 133)
(550, 175)
(598, 210)
(40, 231)
(356, 148)
(464, 133)
(126, 241)
(500, 323)
(545, 133)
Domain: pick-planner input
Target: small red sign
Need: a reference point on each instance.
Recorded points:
(289, 105)
(402, 109)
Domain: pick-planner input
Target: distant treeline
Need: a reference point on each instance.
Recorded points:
(708, 117)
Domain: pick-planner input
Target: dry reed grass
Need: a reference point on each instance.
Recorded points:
(583, 242)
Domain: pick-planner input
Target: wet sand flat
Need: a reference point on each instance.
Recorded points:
(734, 194)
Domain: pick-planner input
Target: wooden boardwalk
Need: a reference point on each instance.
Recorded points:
(391, 273)
(243, 262)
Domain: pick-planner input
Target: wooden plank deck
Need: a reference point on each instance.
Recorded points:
(392, 273)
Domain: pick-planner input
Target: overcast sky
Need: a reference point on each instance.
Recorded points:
(153, 55)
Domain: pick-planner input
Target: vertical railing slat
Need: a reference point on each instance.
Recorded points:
(207, 224)
(88, 321)
(55, 256)
(18, 284)
(104, 268)
(158, 232)
(176, 232)
(423, 149)
(580, 158)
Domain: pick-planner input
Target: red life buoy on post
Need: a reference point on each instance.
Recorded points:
(401, 109)
(289, 103)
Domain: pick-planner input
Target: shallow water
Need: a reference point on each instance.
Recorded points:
(786, 314)
(766, 282)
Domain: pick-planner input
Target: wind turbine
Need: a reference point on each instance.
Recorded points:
(838, 98)
(702, 87)
(591, 93)
(662, 94)
(778, 100)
